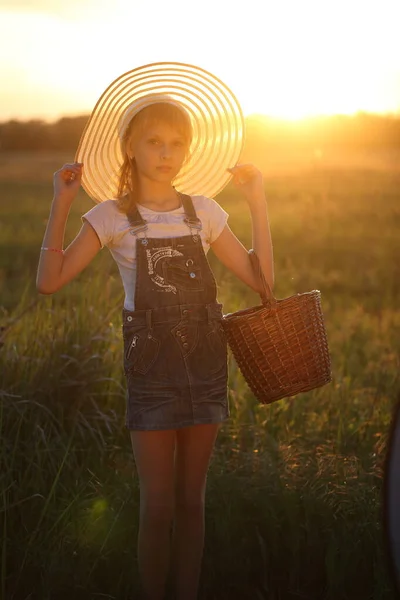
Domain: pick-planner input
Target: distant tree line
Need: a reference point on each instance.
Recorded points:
(39, 136)
(361, 130)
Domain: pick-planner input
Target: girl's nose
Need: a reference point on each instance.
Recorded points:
(165, 151)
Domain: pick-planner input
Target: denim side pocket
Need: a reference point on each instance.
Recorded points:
(217, 344)
(141, 349)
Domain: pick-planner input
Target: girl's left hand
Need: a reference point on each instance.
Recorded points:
(249, 180)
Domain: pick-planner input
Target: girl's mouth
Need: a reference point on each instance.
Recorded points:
(164, 169)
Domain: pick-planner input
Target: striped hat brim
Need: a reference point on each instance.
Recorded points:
(215, 114)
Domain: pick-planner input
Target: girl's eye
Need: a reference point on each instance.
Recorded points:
(156, 142)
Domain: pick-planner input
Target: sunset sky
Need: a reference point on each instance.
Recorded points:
(284, 58)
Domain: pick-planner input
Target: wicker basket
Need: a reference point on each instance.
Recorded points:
(281, 346)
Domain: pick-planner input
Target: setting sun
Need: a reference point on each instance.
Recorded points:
(288, 59)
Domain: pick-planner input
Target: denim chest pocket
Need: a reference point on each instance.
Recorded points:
(185, 274)
(141, 349)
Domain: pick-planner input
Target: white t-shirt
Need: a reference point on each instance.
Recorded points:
(112, 227)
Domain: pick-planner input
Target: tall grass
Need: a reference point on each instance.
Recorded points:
(294, 489)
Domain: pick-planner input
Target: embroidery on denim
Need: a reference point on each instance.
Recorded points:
(155, 258)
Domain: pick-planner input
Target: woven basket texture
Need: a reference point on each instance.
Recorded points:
(281, 346)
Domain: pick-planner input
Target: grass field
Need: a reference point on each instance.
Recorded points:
(294, 494)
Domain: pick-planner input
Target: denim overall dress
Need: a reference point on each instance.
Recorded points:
(175, 350)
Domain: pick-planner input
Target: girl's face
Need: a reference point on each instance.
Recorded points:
(159, 152)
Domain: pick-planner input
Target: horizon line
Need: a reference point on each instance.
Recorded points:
(361, 112)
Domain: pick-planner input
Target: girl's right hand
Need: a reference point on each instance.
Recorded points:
(67, 181)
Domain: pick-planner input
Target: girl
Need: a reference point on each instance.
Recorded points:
(175, 352)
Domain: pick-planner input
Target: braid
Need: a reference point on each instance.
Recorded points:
(127, 185)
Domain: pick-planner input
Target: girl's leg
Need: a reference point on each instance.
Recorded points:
(193, 452)
(154, 457)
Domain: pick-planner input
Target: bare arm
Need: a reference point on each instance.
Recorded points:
(56, 269)
(230, 251)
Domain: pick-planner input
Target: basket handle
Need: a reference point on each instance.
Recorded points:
(267, 297)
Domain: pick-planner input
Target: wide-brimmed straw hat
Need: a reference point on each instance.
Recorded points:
(215, 114)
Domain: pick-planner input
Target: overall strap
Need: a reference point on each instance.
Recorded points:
(136, 221)
(138, 224)
(191, 218)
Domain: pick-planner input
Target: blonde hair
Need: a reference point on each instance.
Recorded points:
(155, 113)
